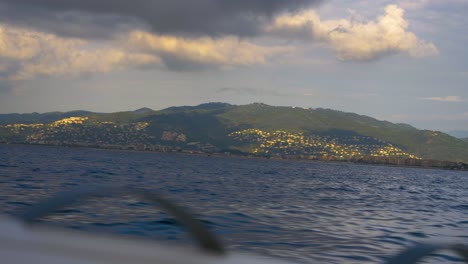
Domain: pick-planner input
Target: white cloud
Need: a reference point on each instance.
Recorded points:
(450, 98)
(353, 38)
(26, 54)
(225, 51)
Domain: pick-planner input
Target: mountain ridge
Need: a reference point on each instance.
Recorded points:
(256, 124)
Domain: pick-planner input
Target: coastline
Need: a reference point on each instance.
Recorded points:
(459, 167)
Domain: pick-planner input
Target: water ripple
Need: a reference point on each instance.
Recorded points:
(308, 212)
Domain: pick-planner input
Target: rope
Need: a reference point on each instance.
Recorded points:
(199, 232)
(414, 254)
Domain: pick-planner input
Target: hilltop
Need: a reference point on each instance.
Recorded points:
(257, 129)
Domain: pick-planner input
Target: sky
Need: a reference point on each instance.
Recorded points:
(404, 61)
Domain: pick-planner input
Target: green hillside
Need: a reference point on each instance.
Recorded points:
(256, 128)
(424, 143)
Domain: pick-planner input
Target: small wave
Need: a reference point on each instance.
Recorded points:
(109, 224)
(27, 186)
(8, 166)
(463, 207)
(446, 257)
(23, 204)
(93, 172)
(418, 234)
(396, 240)
(69, 211)
(356, 257)
(164, 221)
(139, 204)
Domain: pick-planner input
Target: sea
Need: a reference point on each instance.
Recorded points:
(298, 211)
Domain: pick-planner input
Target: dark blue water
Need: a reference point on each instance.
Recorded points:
(304, 211)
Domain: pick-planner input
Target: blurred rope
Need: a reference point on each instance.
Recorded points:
(414, 254)
(199, 232)
(207, 240)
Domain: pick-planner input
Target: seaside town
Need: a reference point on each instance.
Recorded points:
(82, 132)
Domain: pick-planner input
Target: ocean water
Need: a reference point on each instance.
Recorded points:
(309, 212)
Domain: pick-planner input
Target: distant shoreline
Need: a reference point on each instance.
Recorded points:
(463, 167)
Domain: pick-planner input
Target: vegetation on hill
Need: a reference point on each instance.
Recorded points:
(286, 129)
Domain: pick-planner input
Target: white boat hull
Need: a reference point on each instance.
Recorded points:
(20, 244)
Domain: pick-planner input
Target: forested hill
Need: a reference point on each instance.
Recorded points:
(255, 128)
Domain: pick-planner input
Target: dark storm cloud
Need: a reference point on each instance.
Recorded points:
(91, 18)
(66, 23)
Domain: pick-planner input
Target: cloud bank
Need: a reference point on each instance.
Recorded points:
(70, 38)
(180, 53)
(201, 17)
(26, 54)
(354, 39)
